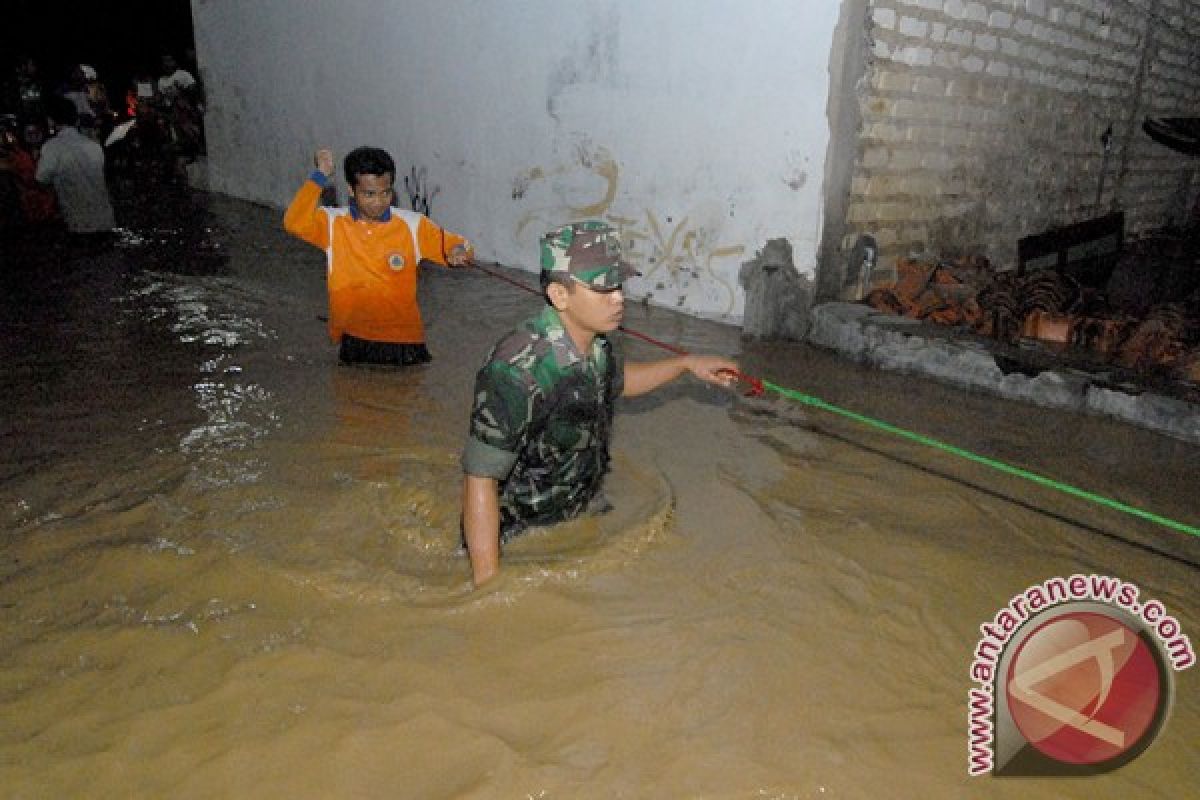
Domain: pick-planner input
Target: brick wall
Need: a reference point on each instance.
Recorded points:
(984, 120)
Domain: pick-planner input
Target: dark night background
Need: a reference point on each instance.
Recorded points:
(118, 38)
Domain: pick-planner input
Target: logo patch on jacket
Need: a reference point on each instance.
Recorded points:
(396, 261)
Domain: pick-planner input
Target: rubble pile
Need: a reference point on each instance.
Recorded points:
(1147, 319)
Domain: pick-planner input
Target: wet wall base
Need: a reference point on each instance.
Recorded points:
(906, 345)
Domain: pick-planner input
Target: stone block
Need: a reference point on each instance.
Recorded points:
(778, 298)
(910, 26)
(1000, 20)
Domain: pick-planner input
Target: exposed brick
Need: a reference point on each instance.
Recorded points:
(880, 186)
(938, 160)
(915, 56)
(910, 26)
(958, 87)
(947, 59)
(982, 117)
(906, 108)
(874, 157)
(960, 36)
(883, 132)
(955, 137)
(928, 84)
(904, 159)
(894, 81)
(885, 237)
(860, 212)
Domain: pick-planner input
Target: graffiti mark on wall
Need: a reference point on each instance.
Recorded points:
(521, 182)
(596, 161)
(420, 194)
(677, 258)
(680, 255)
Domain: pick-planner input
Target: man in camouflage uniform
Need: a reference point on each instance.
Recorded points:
(537, 450)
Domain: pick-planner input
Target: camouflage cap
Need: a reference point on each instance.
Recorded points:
(588, 251)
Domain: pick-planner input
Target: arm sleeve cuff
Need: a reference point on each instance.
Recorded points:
(485, 461)
(319, 178)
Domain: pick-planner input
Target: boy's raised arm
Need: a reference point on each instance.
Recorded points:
(303, 217)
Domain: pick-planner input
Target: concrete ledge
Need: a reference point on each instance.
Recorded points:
(905, 345)
(1164, 414)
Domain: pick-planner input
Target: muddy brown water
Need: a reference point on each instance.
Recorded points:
(229, 566)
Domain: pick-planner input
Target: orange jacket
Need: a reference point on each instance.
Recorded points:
(371, 266)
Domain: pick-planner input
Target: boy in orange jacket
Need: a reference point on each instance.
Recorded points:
(372, 251)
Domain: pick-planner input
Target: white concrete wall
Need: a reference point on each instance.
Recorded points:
(697, 126)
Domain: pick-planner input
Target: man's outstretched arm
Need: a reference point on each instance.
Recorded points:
(481, 526)
(649, 375)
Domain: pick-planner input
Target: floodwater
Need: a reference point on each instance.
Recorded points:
(229, 566)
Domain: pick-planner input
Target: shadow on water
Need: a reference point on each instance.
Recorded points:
(1155, 540)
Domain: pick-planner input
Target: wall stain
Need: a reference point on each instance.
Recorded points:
(796, 176)
(797, 181)
(681, 255)
(420, 194)
(593, 61)
(597, 161)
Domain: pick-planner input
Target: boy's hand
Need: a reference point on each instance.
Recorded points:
(459, 256)
(324, 162)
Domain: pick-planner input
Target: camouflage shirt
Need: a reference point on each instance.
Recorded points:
(541, 422)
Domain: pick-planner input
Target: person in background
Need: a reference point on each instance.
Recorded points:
(27, 204)
(175, 80)
(139, 94)
(24, 94)
(97, 96)
(73, 165)
(373, 251)
(537, 448)
(178, 99)
(76, 90)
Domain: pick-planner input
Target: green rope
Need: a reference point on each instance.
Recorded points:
(1066, 488)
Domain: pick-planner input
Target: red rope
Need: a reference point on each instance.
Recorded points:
(755, 384)
(504, 278)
